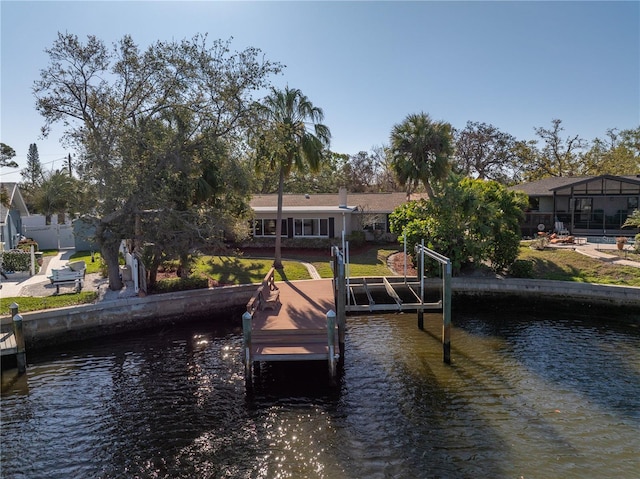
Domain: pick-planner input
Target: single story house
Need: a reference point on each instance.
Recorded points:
(587, 205)
(326, 216)
(11, 216)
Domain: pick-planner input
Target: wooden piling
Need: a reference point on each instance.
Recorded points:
(246, 345)
(21, 354)
(341, 306)
(446, 313)
(331, 338)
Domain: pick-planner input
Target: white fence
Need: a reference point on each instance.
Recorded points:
(51, 236)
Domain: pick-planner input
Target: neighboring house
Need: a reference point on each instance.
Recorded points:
(588, 205)
(326, 216)
(11, 217)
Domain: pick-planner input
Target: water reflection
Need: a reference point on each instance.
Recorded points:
(524, 397)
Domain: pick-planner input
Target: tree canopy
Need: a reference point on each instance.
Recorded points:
(421, 150)
(486, 153)
(153, 128)
(291, 138)
(6, 155)
(470, 221)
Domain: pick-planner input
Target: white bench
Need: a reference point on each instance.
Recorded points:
(72, 273)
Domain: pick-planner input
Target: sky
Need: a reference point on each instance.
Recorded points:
(368, 64)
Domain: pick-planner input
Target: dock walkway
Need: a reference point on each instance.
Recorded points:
(8, 344)
(296, 328)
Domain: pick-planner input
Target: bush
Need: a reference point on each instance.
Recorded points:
(180, 284)
(25, 245)
(521, 268)
(356, 239)
(16, 261)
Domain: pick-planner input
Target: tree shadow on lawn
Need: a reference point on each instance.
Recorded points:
(231, 270)
(545, 269)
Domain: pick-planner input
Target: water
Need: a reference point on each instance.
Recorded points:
(525, 397)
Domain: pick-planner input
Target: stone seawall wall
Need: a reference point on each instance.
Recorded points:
(56, 326)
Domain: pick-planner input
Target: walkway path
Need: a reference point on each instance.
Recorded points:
(599, 251)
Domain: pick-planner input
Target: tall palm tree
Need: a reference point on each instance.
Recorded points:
(292, 138)
(420, 150)
(56, 194)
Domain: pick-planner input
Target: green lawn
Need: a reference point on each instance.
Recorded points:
(567, 265)
(92, 267)
(239, 270)
(370, 260)
(28, 303)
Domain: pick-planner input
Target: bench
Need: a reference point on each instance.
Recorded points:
(269, 298)
(72, 273)
(267, 295)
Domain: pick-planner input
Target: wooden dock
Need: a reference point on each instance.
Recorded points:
(8, 344)
(12, 342)
(299, 326)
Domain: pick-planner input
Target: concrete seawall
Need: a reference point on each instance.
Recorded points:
(57, 326)
(597, 294)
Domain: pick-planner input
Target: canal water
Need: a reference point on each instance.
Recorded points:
(525, 397)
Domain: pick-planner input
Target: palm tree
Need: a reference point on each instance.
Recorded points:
(56, 194)
(287, 143)
(420, 150)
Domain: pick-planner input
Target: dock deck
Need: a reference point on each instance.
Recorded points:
(8, 344)
(296, 328)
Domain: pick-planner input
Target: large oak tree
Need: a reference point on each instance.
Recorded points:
(149, 127)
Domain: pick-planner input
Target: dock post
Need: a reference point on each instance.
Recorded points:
(341, 306)
(421, 273)
(18, 333)
(246, 344)
(331, 337)
(446, 314)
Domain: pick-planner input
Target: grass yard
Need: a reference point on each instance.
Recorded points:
(30, 303)
(370, 260)
(92, 267)
(567, 265)
(238, 270)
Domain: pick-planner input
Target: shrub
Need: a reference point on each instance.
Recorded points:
(521, 268)
(25, 245)
(16, 261)
(180, 284)
(356, 239)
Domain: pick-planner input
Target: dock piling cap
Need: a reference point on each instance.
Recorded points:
(331, 313)
(17, 317)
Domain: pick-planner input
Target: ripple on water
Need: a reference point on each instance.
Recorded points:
(525, 397)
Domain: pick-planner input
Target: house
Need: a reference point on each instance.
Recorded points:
(587, 205)
(326, 216)
(11, 216)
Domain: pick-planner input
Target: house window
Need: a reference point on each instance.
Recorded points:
(583, 205)
(267, 227)
(311, 227)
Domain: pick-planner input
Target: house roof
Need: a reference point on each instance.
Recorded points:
(15, 200)
(368, 202)
(546, 186)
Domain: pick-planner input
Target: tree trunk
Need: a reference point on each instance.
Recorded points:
(109, 247)
(110, 256)
(277, 261)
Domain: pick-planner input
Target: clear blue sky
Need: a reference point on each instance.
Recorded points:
(516, 65)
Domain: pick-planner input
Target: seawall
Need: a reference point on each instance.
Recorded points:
(57, 326)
